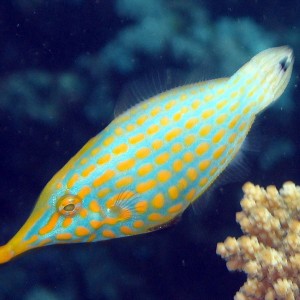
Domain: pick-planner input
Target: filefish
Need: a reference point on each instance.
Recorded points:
(151, 162)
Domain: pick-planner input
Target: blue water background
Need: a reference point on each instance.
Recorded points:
(63, 65)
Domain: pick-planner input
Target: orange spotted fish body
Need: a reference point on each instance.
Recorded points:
(153, 161)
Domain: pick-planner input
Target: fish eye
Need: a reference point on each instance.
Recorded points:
(284, 64)
(69, 205)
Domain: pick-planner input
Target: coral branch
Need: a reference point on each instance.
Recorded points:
(269, 250)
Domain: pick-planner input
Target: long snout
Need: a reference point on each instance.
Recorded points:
(6, 253)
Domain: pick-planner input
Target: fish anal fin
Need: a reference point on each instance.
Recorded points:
(169, 223)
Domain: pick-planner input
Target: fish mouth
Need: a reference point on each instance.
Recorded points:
(25, 239)
(15, 247)
(6, 253)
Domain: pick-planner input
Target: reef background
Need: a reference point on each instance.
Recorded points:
(63, 65)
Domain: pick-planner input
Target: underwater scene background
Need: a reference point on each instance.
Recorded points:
(63, 67)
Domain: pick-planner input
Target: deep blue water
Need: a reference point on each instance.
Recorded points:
(63, 65)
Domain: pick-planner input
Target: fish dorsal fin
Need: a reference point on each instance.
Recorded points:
(152, 85)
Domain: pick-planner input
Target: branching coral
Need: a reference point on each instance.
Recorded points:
(269, 252)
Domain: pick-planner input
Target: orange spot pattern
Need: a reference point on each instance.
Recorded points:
(81, 231)
(175, 209)
(137, 138)
(218, 136)
(67, 222)
(205, 130)
(108, 174)
(145, 169)
(64, 236)
(202, 148)
(84, 192)
(107, 233)
(173, 192)
(172, 159)
(143, 153)
(72, 181)
(50, 225)
(204, 164)
(218, 153)
(126, 165)
(177, 147)
(162, 158)
(141, 207)
(138, 224)
(172, 134)
(157, 144)
(164, 175)
(127, 180)
(145, 186)
(177, 165)
(122, 148)
(158, 201)
(94, 206)
(155, 217)
(104, 159)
